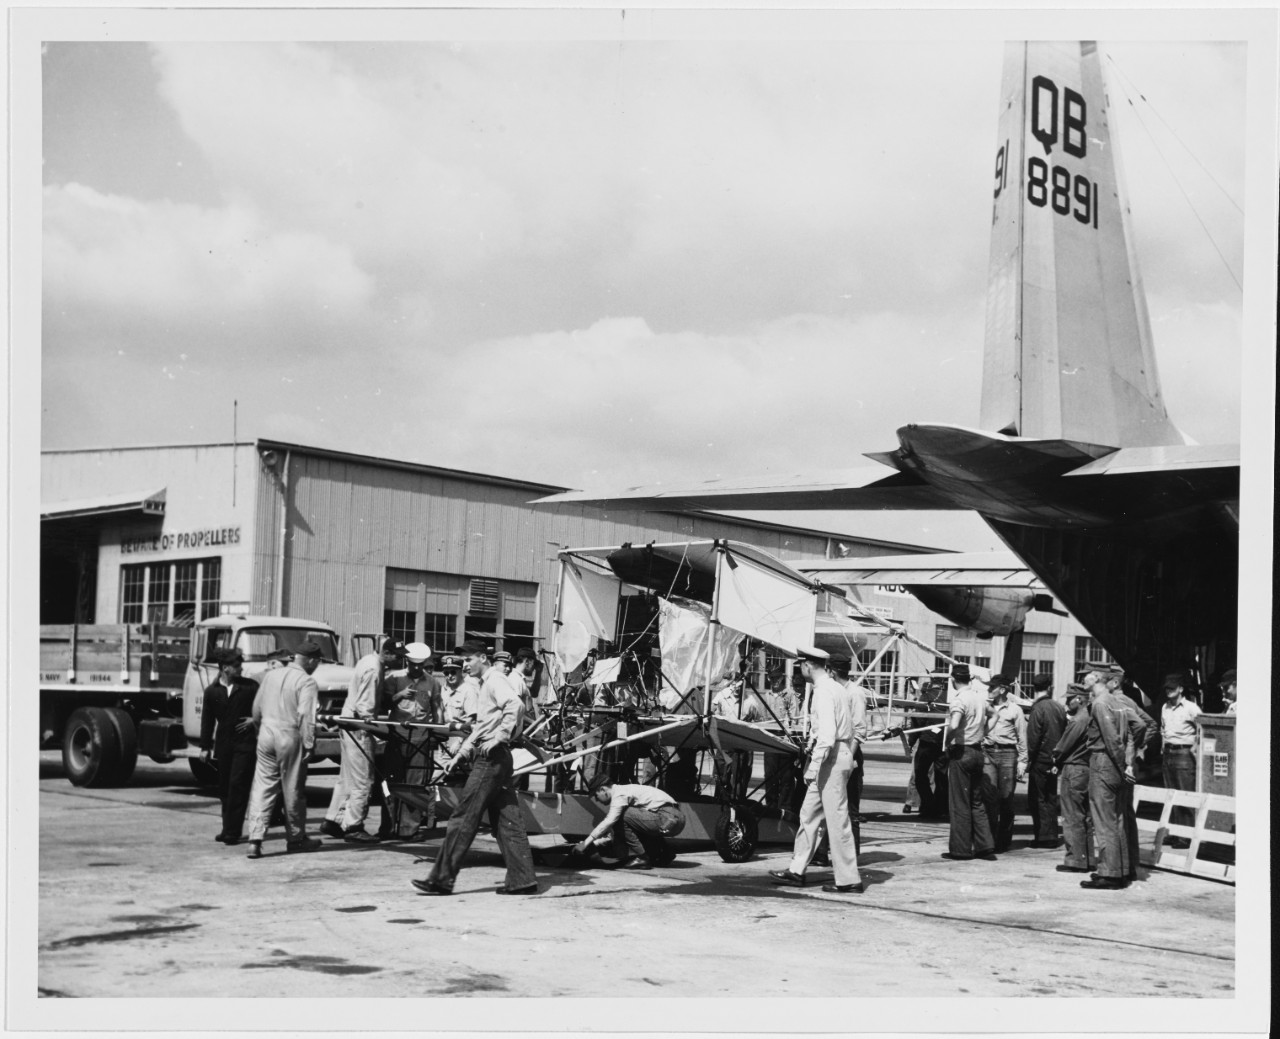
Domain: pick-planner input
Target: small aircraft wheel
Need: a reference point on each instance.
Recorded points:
(737, 833)
(205, 774)
(90, 747)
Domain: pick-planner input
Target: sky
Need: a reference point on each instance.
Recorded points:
(589, 263)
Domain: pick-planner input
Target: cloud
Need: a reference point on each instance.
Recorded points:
(619, 403)
(161, 261)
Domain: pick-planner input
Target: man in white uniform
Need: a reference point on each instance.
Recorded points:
(284, 710)
(350, 802)
(830, 764)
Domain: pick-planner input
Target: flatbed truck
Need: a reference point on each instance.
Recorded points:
(109, 692)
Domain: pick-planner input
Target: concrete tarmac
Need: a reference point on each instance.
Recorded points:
(137, 899)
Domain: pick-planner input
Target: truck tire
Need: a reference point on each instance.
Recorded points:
(205, 774)
(737, 835)
(90, 747)
(127, 734)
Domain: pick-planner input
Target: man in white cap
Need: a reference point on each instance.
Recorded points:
(414, 693)
(350, 802)
(831, 762)
(284, 711)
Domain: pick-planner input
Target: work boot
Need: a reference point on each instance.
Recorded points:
(359, 835)
(303, 844)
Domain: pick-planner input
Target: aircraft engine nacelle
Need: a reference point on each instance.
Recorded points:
(988, 611)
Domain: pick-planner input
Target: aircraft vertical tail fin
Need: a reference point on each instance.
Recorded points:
(1068, 351)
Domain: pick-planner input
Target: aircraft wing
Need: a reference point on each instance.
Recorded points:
(937, 570)
(863, 488)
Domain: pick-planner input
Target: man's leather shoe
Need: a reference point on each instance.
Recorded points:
(305, 844)
(229, 841)
(956, 858)
(1072, 869)
(359, 836)
(785, 876)
(221, 838)
(332, 829)
(255, 849)
(907, 810)
(833, 889)
(636, 864)
(1103, 883)
(430, 887)
(987, 856)
(530, 889)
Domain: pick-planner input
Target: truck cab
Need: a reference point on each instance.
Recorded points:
(258, 638)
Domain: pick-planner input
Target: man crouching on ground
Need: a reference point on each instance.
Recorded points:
(642, 817)
(499, 717)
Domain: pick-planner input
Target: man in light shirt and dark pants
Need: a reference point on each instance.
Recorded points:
(640, 819)
(830, 765)
(962, 741)
(1005, 759)
(1179, 733)
(489, 788)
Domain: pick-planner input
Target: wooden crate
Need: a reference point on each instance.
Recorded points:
(1218, 843)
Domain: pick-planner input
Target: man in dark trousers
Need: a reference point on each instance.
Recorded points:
(962, 740)
(1071, 758)
(1045, 725)
(490, 790)
(1005, 759)
(928, 761)
(229, 737)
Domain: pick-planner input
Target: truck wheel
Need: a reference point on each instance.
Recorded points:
(737, 835)
(127, 734)
(206, 774)
(91, 747)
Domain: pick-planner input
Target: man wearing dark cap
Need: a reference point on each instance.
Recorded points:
(1045, 725)
(489, 789)
(1071, 759)
(928, 761)
(1180, 734)
(1228, 686)
(227, 736)
(1004, 758)
(285, 713)
(962, 740)
(349, 804)
(1113, 678)
(1113, 736)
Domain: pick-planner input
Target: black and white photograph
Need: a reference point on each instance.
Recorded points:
(763, 512)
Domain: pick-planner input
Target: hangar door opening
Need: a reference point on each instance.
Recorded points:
(443, 610)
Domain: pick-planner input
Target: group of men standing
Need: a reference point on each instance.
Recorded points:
(1080, 760)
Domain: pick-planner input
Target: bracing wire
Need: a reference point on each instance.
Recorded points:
(1177, 181)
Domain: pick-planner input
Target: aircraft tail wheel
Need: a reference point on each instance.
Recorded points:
(737, 834)
(90, 747)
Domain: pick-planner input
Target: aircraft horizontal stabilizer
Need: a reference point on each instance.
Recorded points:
(863, 488)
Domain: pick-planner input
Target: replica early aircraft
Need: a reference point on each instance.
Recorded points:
(1077, 466)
